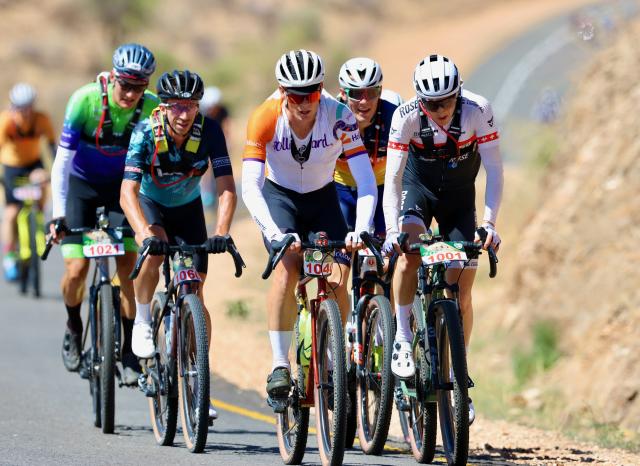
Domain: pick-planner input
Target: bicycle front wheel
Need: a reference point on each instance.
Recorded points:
(453, 402)
(163, 407)
(107, 358)
(293, 425)
(193, 373)
(330, 390)
(376, 383)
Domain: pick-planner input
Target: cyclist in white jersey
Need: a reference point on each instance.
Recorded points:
(437, 142)
(293, 141)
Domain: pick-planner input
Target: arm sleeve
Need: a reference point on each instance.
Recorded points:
(219, 156)
(136, 163)
(60, 180)
(362, 172)
(252, 182)
(492, 162)
(397, 150)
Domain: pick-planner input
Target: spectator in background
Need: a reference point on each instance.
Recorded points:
(211, 106)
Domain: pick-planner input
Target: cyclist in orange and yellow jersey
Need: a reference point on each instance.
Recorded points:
(21, 130)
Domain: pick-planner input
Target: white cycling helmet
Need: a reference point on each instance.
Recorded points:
(360, 73)
(299, 68)
(211, 98)
(436, 77)
(391, 96)
(22, 95)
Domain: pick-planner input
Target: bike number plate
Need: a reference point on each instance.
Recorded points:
(316, 263)
(184, 275)
(99, 244)
(27, 193)
(368, 263)
(442, 252)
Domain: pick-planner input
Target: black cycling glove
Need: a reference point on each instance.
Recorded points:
(156, 246)
(217, 245)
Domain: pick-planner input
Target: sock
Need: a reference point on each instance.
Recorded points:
(280, 343)
(403, 331)
(143, 312)
(127, 328)
(74, 321)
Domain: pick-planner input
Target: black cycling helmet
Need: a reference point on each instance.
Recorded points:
(133, 61)
(184, 85)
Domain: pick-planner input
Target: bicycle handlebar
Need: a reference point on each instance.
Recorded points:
(193, 248)
(76, 231)
(468, 246)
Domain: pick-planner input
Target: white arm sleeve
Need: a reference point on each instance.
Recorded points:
(396, 161)
(60, 180)
(360, 168)
(252, 182)
(492, 162)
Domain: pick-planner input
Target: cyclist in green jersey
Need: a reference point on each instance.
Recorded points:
(87, 173)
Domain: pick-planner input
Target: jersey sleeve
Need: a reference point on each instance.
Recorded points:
(4, 128)
(260, 130)
(219, 155)
(346, 130)
(74, 120)
(139, 156)
(486, 128)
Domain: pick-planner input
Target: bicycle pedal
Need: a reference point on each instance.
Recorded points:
(149, 390)
(279, 405)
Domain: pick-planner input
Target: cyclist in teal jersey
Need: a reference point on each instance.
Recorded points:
(87, 173)
(168, 155)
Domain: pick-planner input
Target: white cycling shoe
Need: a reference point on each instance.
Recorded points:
(142, 340)
(213, 414)
(472, 412)
(402, 364)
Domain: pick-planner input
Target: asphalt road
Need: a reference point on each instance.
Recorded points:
(45, 412)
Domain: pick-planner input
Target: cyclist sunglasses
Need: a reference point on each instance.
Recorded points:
(300, 98)
(434, 105)
(127, 86)
(179, 107)
(359, 94)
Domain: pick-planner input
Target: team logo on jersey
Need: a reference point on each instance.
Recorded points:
(285, 144)
(490, 122)
(408, 108)
(343, 126)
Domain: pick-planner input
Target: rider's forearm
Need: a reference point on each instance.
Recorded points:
(60, 180)
(130, 203)
(396, 161)
(227, 201)
(492, 162)
(252, 181)
(360, 167)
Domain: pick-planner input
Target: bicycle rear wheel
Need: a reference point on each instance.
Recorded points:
(421, 416)
(293, 425)
(163, 407)
(95, 386)
(193, 374)
(375, 385)
(453, 403)
(107, 358)
(330, 390)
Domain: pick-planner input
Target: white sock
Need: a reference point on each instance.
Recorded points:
(403, 332)
(280, 343)
(143, 312)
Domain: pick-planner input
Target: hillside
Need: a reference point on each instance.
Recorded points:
(577, 255)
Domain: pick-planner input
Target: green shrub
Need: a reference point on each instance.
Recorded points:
(541, 357)
(238, 309)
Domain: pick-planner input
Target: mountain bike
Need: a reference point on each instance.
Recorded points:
(320, 373)
(31, 235)
(370, 332)
(441, 382)
(177, 376)
(98, 361)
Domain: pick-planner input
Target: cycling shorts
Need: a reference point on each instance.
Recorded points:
(185, 222)
(348, 197)
(11, 176)
(307, 213)
(83, 198)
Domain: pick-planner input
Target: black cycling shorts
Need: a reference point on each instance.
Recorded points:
(11, 175)
(455, 211)
(307, 213)
(83, 198)
(186, 222)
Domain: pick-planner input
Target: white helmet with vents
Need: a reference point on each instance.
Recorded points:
(22, 95)
(360, 73)
(436, 77)
(299, 68)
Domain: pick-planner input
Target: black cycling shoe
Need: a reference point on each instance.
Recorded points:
(279, 383)
(85, 365)
(131, 370)
(71, 350)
